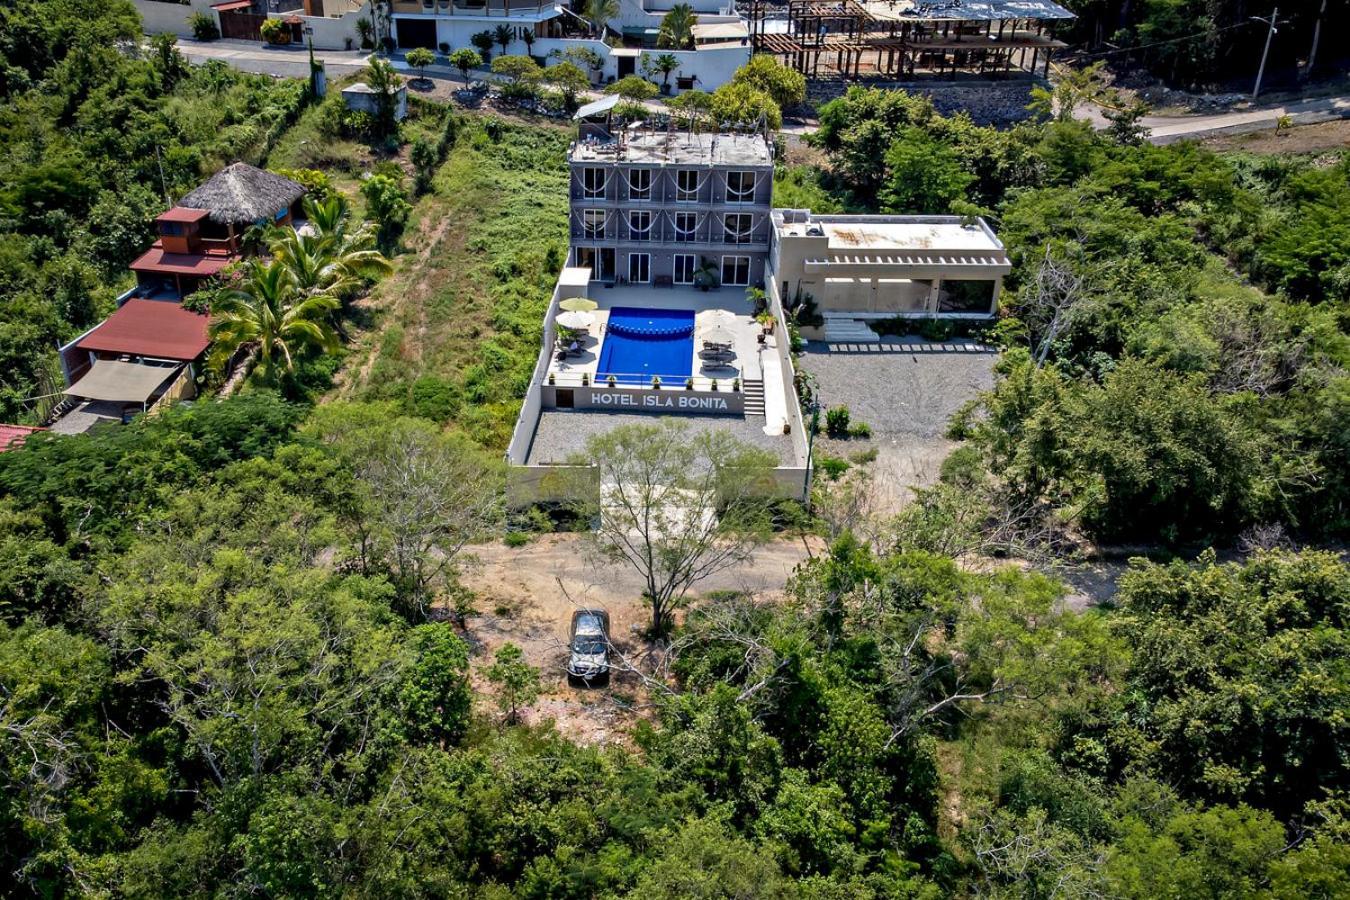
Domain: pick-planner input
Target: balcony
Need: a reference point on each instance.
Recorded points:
(501, 8)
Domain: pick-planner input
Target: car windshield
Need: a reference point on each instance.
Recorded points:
(589, 646)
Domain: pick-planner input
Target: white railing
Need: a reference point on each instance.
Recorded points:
(730, 383)
(519, 448)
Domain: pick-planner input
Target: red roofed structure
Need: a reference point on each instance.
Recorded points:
(159, 329)
(185, 254)
(13, 436)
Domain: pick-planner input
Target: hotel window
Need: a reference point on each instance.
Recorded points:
(686, 224)
(736, 271)
(585, 258)
(685, 267)
(740, 187)
(640, 225)
(640, 184)
(639, 268)
(737, 228)
(686, 185)
(593, 223)
(592, 183)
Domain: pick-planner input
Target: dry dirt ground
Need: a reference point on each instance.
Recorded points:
(1326, 136)
(526, 595)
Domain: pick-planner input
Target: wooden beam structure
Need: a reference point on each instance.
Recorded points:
(844, 38)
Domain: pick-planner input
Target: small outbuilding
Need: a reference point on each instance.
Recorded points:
(361, 97)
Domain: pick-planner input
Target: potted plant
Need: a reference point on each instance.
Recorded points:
(706, 277)
(611, 381)
(656, 382)
(766, 321)
(689, 383)
(735, 384)
(714, 384)
(585, 379)
(274, 32)
(552, 378)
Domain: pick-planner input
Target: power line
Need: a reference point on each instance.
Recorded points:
(1189, 37)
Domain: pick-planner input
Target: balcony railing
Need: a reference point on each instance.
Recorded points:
(671, 237)
(471, 7)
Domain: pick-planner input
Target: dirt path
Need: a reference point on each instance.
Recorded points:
(526, 595)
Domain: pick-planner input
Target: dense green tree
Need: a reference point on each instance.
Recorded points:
(923, 175)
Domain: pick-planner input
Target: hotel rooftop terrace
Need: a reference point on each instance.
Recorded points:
(676, 148)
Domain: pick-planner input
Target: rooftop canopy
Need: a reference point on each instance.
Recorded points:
(156, 328)
(597, 108)
(241, 194)
(967, 10)
(121, 382)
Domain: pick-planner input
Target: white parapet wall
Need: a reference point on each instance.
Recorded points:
(710, 67)
(328, 32)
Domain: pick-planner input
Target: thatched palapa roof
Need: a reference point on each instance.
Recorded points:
(241, 194)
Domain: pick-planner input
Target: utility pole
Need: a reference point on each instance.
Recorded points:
(1260, 73)
(1317, 35)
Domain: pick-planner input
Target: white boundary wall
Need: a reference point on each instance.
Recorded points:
(330, 32)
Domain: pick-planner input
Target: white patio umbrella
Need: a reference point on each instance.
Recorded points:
(575, 319)
(579, 304)
(719, 336)
(719, 317)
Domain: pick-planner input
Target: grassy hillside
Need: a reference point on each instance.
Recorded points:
(455, 332)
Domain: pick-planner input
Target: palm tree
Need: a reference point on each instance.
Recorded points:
(331, 260)
(273, 318)
(665, 64)
(599, 12)
(677, 27)
(504, 35)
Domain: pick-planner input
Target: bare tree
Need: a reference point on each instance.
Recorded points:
(676, 506)
(426, 497)
(1049, 305)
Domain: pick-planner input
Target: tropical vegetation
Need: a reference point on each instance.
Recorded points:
(240, 653)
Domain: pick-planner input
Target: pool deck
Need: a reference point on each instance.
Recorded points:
(704, 305)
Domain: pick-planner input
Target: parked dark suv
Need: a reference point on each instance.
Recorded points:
(588, 642)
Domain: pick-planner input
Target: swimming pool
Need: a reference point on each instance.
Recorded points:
(640, 343)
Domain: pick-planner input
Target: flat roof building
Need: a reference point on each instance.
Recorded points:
(860, 268)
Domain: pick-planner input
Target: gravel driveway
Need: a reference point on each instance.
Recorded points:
(906, 390)
(901, 385)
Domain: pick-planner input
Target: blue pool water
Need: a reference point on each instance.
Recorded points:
(640, 343)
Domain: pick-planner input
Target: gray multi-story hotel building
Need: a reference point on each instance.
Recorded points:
(659, 207)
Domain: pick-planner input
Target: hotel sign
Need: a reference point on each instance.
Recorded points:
(666, 400)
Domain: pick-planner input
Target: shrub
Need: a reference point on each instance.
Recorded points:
(274, 31)
(203, 27)
(936, 329)
(860, 430)
(516, 539)
(831, 466)
(484, 42)
(387, 205)
(836, 422)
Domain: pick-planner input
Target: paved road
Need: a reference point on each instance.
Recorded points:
(293, 62)
(1168, 129)
(285, 62)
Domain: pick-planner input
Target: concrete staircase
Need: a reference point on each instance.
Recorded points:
(842, 330)
(754, 396)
